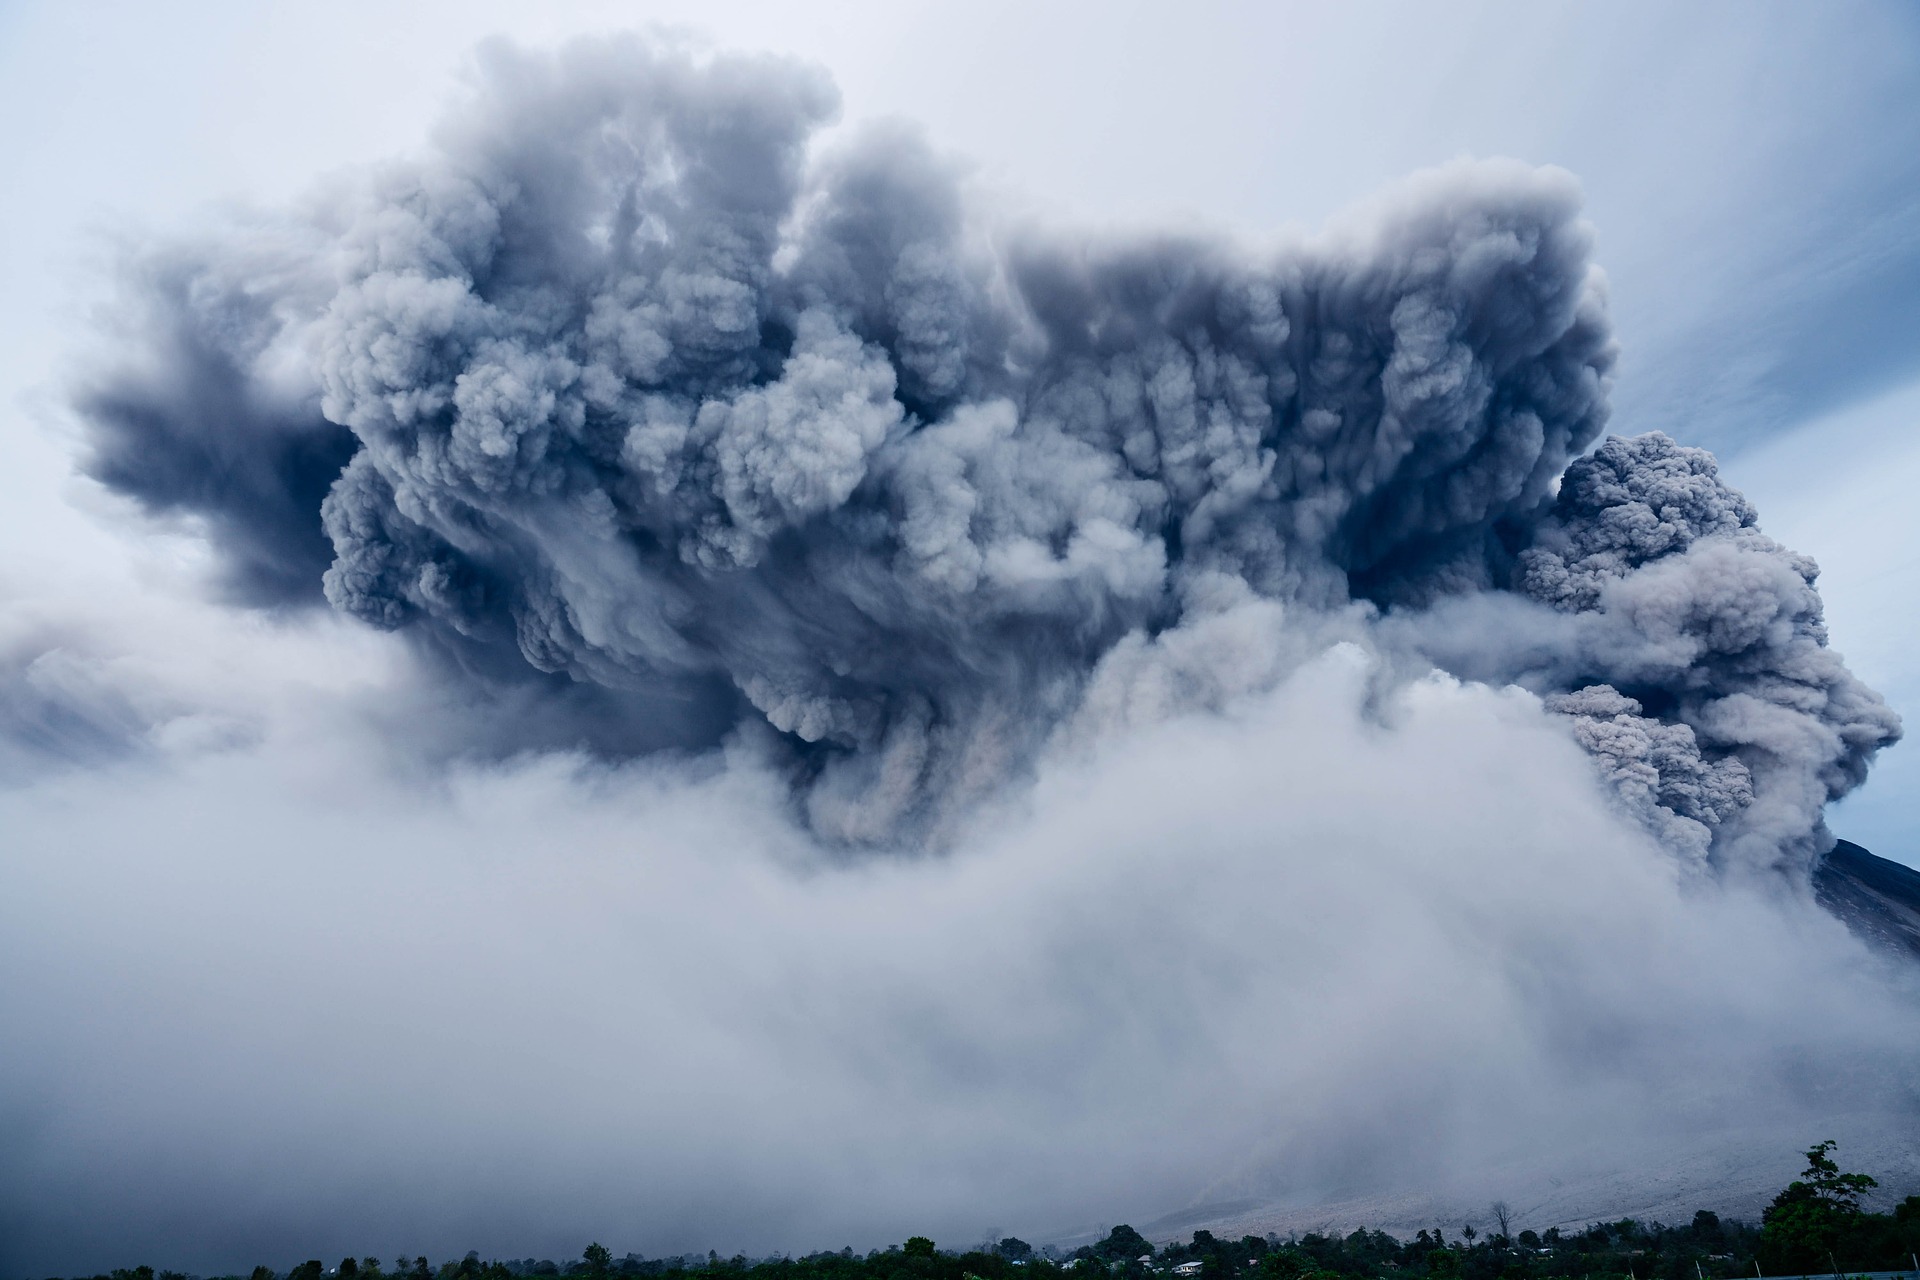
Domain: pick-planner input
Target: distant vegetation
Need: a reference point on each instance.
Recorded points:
(1816, 1227)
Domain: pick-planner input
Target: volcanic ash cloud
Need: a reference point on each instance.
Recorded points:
(782, 710)
(631, 405)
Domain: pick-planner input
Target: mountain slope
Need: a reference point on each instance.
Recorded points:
(1879, 900)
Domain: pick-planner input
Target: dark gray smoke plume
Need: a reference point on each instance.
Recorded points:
(1718, 629)
(627, 403)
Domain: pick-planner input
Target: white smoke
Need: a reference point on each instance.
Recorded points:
(1316, 938)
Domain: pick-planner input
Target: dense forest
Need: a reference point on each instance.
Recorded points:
(1816, 1227)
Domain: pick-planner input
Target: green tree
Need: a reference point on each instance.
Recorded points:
(1123, 1242)
(1284, 1264)
(918, 1247)
(599, 1259)
(1906, 1224)
(1809, 1225)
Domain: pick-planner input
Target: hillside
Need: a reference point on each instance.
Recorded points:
(1878, 899)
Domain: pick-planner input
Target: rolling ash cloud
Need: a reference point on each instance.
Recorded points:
(721, 501)
(625, 395)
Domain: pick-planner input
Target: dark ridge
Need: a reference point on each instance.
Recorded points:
(1879, 900)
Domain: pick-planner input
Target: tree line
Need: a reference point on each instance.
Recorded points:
(1816, 1227)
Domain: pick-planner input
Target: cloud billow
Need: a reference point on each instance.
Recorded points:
(631, 396)
(1351, 772)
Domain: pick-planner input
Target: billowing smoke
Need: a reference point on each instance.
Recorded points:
(1348, 772)
(628, 394)
(1687, 647)
(1716, 629)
